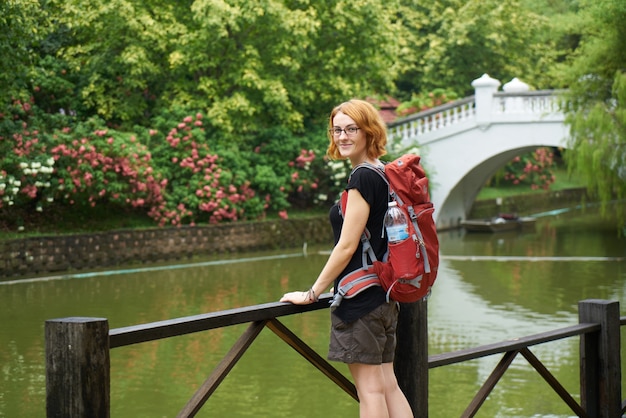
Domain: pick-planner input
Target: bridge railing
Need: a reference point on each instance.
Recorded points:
(538, 102)
(531, 105)
(78, 364)
(432, 119)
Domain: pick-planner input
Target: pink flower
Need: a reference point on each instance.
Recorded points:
(283, 214)
(30, 190)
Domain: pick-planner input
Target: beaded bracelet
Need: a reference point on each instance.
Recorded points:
(311, 295)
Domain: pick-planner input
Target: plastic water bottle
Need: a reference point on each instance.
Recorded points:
(396, 224)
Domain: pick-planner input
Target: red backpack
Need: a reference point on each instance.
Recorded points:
(408, 186)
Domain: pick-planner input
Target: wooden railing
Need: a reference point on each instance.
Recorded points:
(78, 363)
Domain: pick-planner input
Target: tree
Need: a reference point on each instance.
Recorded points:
(455, 41)
(597, 102)
(117, 54)
(22, 26)
(248, 65)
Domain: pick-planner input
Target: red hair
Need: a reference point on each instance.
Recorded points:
(367, 119)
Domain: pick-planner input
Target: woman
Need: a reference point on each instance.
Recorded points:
(363, 327)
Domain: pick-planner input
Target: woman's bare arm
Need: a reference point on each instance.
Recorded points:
(355, 218)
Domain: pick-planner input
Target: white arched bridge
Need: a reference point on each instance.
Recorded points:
(463, 143)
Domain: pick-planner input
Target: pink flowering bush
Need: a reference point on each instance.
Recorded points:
(534, 169)
(27, 168)
(97, 165)
(176, 172)
(301, 178)
(79, 166)
(197, 186)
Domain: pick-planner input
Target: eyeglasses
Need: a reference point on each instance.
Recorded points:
(349, 131)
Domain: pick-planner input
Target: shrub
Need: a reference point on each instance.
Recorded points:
(534, 169)
(177, 173)
(293, 169)
(27, 181)
(197, 185)
(98, 165)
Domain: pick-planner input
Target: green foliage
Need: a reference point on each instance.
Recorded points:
(112, 92)
(196, 185)
(116, 51)
(289, 170)
(22, 26)
(598, 141)
(423, 101)
(455, 41)
(98, 165)
(52, 89)
(81, 165)
(248, 66)
(169, 172)
(597, 99)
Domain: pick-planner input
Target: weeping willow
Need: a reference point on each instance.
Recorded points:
(597, 148)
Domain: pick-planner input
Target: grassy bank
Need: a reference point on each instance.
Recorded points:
(563, 181)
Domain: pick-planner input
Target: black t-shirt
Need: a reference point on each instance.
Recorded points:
(376, 193)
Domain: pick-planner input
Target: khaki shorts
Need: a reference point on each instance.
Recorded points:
(368, 340)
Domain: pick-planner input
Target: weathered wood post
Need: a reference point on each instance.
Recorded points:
(411, 365)
(600, 374)
(77, 368)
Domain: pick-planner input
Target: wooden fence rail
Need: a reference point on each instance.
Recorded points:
(78, 362)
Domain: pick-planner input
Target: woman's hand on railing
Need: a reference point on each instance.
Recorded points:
(299, 298)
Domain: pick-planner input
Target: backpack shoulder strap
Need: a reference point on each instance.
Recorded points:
(376, 168)
(343, 202)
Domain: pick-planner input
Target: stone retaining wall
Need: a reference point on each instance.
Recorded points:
(41, 255)
(38, 255)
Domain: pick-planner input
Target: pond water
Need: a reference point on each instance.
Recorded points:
(490, 288)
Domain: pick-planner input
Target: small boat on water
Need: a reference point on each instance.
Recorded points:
(502, 222)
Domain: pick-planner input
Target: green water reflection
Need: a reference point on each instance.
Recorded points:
(475, 302)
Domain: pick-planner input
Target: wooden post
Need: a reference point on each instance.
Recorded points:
(77, 368)
(600, 370)
(411, 365)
